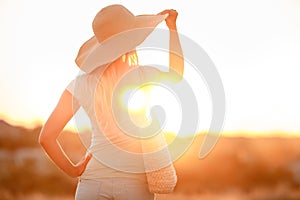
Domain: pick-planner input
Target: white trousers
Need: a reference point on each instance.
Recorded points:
(113, 189)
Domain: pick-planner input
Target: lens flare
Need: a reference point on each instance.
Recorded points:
(135, 100)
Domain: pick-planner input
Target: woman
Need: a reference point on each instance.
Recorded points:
(105, 58)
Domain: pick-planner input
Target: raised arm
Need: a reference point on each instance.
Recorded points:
(176, 59)
(60, 116)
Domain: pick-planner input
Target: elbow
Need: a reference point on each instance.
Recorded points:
(44, 139)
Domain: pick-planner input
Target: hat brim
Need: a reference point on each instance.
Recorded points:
(93, 54)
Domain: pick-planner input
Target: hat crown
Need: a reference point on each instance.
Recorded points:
(112, 20)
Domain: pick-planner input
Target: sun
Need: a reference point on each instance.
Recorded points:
(136, 100)
(141, 101)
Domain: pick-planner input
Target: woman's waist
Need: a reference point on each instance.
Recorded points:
(100, 168)
(114, 139)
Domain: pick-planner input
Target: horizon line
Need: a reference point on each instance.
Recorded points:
(37, 123)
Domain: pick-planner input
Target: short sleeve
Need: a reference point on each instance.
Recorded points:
(81, 88)
(71, 87)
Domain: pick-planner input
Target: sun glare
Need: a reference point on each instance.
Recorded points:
(142, 100)
(138, 100)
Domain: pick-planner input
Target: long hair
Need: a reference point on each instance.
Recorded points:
(105, 88)
(130, 58)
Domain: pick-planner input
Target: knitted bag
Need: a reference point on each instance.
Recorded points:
(162, 181)
(160, 172)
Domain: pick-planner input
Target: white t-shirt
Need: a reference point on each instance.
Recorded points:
(115, 153)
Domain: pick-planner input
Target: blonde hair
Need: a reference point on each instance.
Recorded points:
(115, 70)
(130, 58)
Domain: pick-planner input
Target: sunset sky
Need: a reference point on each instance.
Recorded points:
(255, 46)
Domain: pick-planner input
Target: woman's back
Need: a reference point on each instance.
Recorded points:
(112, 148)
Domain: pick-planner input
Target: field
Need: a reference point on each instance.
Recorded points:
(240, 168)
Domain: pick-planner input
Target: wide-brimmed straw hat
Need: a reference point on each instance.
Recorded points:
(117, 31)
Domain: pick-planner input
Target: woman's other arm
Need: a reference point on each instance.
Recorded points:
(60, 116)
(176, 59)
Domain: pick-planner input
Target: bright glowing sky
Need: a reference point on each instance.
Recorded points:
(255, 46)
